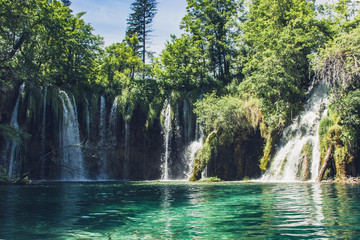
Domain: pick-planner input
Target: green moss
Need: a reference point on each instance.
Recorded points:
(267, 153)
(153, 111)
(324, 126)
(23, 180)
(307, 149)
(283, 164)
(342, 158)
(3, 175)
(208, 150)
(327, 174)
(211, 179)
(331, 133)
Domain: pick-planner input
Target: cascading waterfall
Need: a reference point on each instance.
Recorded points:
(113, 116)
(289, 163)
(187, 119)
(87, 118)
(70, 145)
(12, 147)
(43, 135)
(102, 142)
(166, 114)
(193, 149)
(127, 144)
(102, 127)
(112, 130)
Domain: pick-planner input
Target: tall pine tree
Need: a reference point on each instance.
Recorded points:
(140, 21)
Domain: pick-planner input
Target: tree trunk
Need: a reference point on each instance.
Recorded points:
(306, 167)
(325, 163)
(144, 47)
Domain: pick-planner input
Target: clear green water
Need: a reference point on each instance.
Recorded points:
(180, 211)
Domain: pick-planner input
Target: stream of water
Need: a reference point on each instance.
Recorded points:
(166, 114)
(72, 166)
(12, 147)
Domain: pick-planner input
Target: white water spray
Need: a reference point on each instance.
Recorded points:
(87, 119)
(127, 144)
(166, 114)
(288, 163)
(102, 142)
(70, 145)
(193, 150)
(12, 147)
(187, 119)
(113, 116)
(102, 127)
(194, 147)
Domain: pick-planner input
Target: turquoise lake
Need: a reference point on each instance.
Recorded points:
(180, 210)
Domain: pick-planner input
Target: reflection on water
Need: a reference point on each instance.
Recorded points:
(180, 211)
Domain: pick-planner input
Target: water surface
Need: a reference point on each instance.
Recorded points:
(180, 210)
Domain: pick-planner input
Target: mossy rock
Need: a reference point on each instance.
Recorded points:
(210, 179)
(208, 150)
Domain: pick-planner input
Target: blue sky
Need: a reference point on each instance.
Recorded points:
(108, 18)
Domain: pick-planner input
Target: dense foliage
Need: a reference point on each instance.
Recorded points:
(43, 43)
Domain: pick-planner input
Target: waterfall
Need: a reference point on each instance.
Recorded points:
(102, 142)
(102, 128)
(113, 116)
(289, 163)
(43, 136)
(127, 143)
(112, 130)
(87, 119)
(12, 147)
(187, 119)
(72, 157)
(193, 149)
(166, 115)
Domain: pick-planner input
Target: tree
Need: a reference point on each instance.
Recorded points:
(42, 42)
(280, 37)
(214, 24)
(118, 66)
(179, 66)
(140, 21)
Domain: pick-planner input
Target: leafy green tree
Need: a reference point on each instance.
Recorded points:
(338, 67)
(179, 66)
(119, 66)
(17, 26)
(280, 37)
(212, 23)
(228, 115)
(44, 43)
(139, 22)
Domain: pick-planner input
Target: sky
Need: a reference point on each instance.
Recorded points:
(108, 18)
